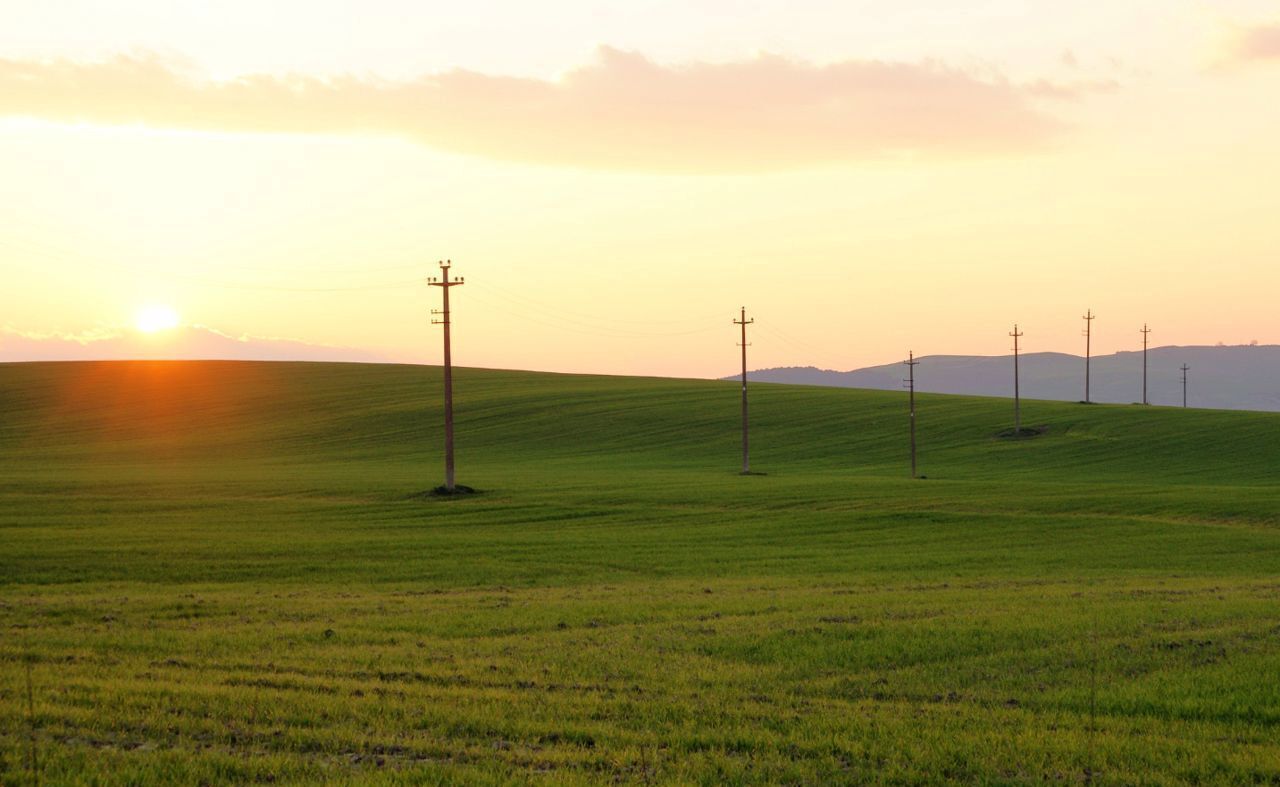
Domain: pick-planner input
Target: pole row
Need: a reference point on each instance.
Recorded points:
(442, 317)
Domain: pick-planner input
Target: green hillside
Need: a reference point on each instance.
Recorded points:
(228, 572)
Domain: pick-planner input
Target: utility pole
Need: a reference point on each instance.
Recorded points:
(1184, 384)
(1088, 341)
(443, 319)
(744, 322)
(1017, 398)
(1145, 332)
(911, 399)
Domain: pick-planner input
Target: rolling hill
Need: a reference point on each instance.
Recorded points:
(227, 572)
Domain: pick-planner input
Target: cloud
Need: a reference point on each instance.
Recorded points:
(1255, 43)
(1070, 91)
(195, 342)
(621, 111)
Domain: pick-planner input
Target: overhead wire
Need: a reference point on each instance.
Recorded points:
(778, 334)
(547, 317)
(609, 320)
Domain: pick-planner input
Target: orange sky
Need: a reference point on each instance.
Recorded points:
(614, 180)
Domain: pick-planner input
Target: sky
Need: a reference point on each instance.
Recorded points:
(615, 180)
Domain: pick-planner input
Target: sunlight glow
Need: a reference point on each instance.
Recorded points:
(151, 319)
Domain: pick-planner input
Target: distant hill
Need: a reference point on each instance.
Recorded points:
(1245, 377)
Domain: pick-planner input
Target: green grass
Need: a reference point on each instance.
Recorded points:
(225, 572)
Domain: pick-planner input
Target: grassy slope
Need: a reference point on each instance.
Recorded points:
(219, 571)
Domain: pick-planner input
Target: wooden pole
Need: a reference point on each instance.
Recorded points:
(1145, 333)
(1017, 397)
(911, 404)
(744, 322)
(444, 284)
(1088, 341)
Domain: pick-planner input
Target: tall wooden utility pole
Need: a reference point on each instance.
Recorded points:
(443, 319)
(1185, 368)
(744, 322)
(1017, 397)
(1145, 332)
(911, 400)
(1088, 341)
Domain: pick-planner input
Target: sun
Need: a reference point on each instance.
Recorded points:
(151, 319)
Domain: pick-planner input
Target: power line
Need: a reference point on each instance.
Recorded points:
(547, 317)
(396, 285)
(595, 321)
(791, 340)
(522, 300)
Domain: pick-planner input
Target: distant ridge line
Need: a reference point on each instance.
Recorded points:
(1230, 377)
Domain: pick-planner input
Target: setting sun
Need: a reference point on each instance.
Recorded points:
(151, 319)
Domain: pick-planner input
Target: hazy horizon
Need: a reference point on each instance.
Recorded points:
(197, 343)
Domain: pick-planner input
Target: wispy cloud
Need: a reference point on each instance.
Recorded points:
(195, 342)
(1242, 44)
(621, 111)
(1253, 43)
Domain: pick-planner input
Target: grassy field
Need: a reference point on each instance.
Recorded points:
(223, 572)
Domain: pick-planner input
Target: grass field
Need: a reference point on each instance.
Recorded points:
(225, 572)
